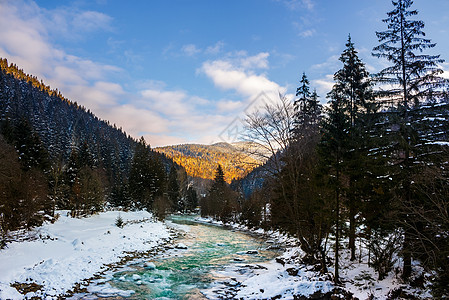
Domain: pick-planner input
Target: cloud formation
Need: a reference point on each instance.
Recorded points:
(190, 50)
(215, 49)
(324, 85)
(239, 74)
(299, 4)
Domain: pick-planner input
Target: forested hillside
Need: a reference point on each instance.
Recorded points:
(61, 125)
(202, 160)
(56, 154)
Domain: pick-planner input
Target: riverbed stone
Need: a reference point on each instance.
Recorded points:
(150, 266)
(136, 277)
(181, 246)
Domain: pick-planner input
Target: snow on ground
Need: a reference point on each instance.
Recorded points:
(73, 249)
(291, 277)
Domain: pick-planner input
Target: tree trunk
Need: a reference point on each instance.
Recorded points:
(337, 238)
(406, 256)
(352, 212)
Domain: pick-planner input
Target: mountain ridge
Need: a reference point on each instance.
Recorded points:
(202, 160)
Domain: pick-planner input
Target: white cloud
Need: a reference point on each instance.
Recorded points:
(136, 120)
(199, 101)
(92, 21)
(164, 140)
(324, 85)
(229, 106)
(307, 33)
(163, 96)
(298, 4)
(238, 74)
(190, 50)
(259, 61)
(215, 49)
(169, 103)
(229, 77)
(308, 4)
(331, 64)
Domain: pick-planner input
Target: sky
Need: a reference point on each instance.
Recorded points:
(181, 71)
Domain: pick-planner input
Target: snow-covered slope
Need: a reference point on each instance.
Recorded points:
(71, 249)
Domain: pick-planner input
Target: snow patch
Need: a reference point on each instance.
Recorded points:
(78, 249)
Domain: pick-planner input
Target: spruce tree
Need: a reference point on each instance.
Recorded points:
(29, 146)
(191, 199)
(173, 191)
(140, 177)
(301, 104)
(353, 87)
(220, 202)
(412, 79)
(333, 152)
(307, 108)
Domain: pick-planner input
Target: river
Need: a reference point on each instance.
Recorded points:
(184, 273)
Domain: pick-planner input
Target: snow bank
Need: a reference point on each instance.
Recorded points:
(274, 281)
(293, 278)
(74, 249)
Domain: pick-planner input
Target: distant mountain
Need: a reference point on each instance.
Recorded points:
(202, 160)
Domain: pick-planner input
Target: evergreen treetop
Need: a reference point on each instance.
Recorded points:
(307, 108)
(414, 75)
(219, 176)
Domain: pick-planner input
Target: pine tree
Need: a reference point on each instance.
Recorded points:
(333, 151)
(140, 177)
(173, 191)
(415, 80)
(307, 108)
(158, 177)
(29, 146)
(85, 156)
(57, 186)
(120, 195)
(354, 89)
(219, 176)
(220, 202)
(147, 178)
(191, 199)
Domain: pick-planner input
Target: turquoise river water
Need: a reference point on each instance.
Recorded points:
(183, 273)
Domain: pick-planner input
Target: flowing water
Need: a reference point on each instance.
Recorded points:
(183, 273)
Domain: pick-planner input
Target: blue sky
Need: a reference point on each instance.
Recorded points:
(182, 71)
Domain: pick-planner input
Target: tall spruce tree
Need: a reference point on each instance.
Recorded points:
(333, 153)
(353, 87)
(140, 177)
(410, 81)
(173, 190)
(298, 206)
(220, 201)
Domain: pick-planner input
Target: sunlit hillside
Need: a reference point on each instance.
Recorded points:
(202, 160)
